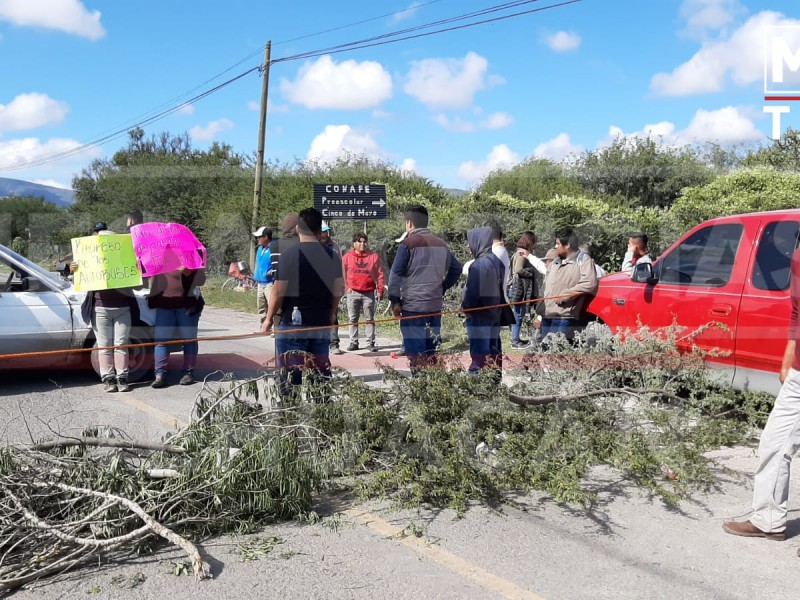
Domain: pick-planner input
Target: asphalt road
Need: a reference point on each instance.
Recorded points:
(628, 546)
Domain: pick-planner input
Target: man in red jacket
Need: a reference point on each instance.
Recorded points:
(363, 282)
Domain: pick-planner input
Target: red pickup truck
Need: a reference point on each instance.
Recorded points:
(732, 273)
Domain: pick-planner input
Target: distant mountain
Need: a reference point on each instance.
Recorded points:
(17, 187)
(456, 192)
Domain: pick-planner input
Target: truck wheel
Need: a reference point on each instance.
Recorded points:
(140, 360)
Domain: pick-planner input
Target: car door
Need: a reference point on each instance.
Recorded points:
(34, 316)
(695, 294)
(765, 309)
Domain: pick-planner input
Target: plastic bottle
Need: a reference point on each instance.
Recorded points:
(297, 318)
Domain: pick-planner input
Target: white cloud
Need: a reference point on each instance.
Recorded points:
(340, 140)
(498, 120)
(24, 150)
(406, 13)
(442, 83)
(28, 111)
(559, 148)
(409, 165)
(739, 57)
(210, 131)
(705, 16)
(381, 114)
(186, 109)
(70, 16)
(348, 85)
(501, 156)
(53, 183)
(727, 125)
(562, 41)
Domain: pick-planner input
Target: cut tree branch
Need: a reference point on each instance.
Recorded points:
(541, 400)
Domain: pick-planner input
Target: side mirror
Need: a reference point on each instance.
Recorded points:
(643, 273)
(32, 284)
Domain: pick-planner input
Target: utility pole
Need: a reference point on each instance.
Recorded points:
(262, 131)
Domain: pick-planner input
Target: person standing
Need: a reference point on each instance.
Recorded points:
(263, 271)
(423, 269)
(307, 290)
(363, 283)
(523, 285)
(111, 314)
(780, 439)
(326, 239)
(178, 302)
(636, 252)
(484, 288)
(570, 280)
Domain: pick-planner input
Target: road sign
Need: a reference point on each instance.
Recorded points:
(350, 201)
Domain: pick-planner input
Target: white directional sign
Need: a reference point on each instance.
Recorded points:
(350, 201)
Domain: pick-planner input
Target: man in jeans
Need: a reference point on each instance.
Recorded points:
(780, 439)
(363, 281)
(423, 269)
(263, 271)
(309, 280)
(569, 283)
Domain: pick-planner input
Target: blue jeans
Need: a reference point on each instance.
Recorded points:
(422, 337)
(175, 324)
(296, 350)
(567, 327)
(520, 310)
(485, 347)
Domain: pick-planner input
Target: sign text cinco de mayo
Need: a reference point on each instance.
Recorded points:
(121, 260)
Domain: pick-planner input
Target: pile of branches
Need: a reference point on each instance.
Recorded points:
(444, 438)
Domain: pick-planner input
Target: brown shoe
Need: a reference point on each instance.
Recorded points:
(747, 529)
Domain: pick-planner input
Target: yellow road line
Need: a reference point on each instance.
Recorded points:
(458, 565)
(165, 418)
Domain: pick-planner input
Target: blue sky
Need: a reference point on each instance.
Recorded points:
(450, 106)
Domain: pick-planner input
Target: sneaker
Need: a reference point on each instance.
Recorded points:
(519, 345)
(122, 385)
(160, 382)
(372, 348)
(187, 379)
(352, 347)
(336, 350)
(110, 385)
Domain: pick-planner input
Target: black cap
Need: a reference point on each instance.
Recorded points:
(100, 226)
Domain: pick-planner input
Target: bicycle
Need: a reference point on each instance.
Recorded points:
(240, 278)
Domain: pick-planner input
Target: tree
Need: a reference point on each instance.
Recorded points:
(642, 171)
(533, 179)
(782, 154)
(16, 213)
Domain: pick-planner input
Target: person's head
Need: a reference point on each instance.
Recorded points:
(309, 222)
(497, 231)
(98, 227)
(566, 242)
(135, 217)
(416, 217)
(586, 248)
(550, 256)
(360, 242)
(325, 234)
(289, 224)
(263, 236)
(637, 243)
(526, 241)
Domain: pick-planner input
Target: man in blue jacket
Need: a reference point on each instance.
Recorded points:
(423, 269)
(263, 271)
(485, 288)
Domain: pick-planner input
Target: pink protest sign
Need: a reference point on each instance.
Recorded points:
(164, 247)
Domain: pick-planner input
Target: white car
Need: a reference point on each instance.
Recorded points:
(40, 312)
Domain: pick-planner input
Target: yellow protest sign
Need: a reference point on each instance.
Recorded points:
(105, 262)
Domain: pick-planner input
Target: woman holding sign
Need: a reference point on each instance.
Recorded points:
(176, 297)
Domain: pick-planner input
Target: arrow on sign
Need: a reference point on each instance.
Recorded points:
(380, 203)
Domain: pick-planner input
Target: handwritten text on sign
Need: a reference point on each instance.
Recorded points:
(164, 247)
(105, 262)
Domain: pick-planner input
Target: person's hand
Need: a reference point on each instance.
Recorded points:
(266, 326)
(523, 252)
(181, 269)
(397, 310)
(380, 297)
(631, 246)
(784, 374)
(73, 266)
(537, 324)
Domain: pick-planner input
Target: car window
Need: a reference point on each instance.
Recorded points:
(704, 258)
(11, 262)
(775, 248)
